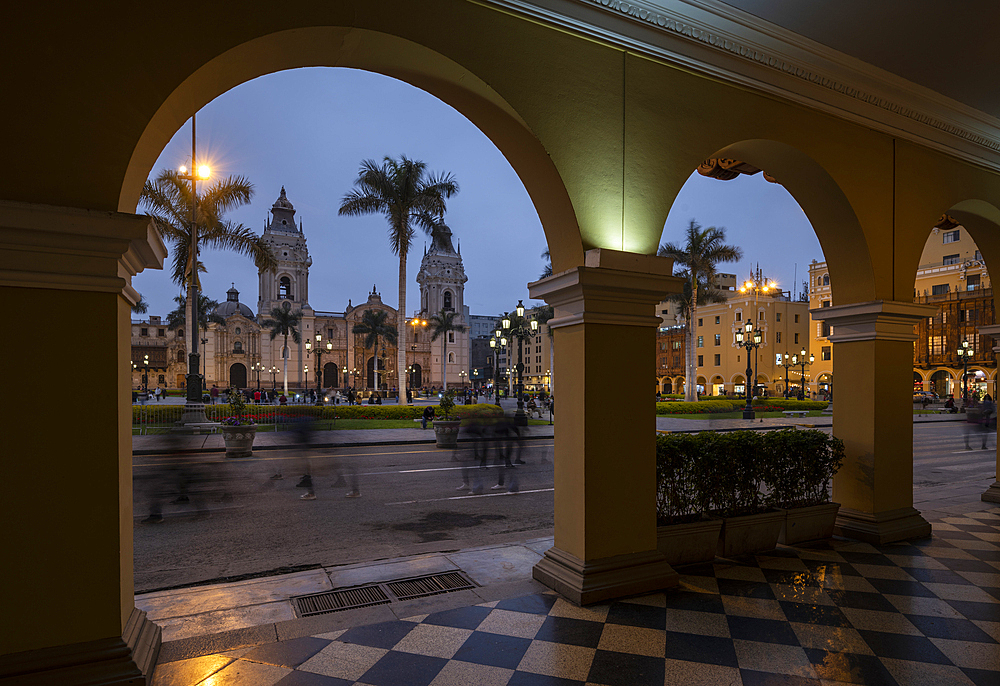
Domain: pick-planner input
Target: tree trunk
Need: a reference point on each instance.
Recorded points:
(444, 360)
(691, 385)
(401, 333)
(284, 357)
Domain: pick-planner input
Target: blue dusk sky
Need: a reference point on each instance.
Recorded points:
(309, 129)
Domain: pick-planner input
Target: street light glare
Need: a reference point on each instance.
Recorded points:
(204, 171)
(182, 169)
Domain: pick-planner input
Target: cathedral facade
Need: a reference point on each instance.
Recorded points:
(239, 351)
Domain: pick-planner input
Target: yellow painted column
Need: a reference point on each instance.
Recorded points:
(873, 366)
(67, 511)
(604, 333)
(992, 493)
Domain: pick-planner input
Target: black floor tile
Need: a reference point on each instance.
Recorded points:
(710, 650)
(907, 549)
(691, 600)
(957, 535)
(939, 576)
(995, 592)
(981, 677)
(538, 604)
(900, 647)
(866, 558)
(763, 630)
(943, 627)
(746, 589)
(850, 668)
(290, 653)
(828, 615)
(529, 679)
(310, 679)
(968, 566)
(977, 528)
(492, 649)
(622, 669)
(987, 612)
(789, 577)
(900, 587)
(420, 670)
(631, 614)
(459, 618)
(752, 678)
(986, 555)
(382, 635)
(860, 600)
(577, 632)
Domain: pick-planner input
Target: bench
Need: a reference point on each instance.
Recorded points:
(795, 413)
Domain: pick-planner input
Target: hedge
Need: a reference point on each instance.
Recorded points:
(699, 407)
(790, 403)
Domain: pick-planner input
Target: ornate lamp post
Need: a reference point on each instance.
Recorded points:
(786, 364)
(802, 362)
(319, 349)
(258, 367)
(522, 330)
(274, 371)
(463, 375)
(964, 353)
(305, 369)
(496, 343)
(145, 373)
(749, 339)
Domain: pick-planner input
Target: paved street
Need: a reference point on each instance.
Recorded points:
(408, 505)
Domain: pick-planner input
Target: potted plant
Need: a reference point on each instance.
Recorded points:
(801, 467)
(749, 523)
(238, 431)
(446, 428)
(684, 533)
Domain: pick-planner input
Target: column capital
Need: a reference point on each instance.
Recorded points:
(67, 248)
(881, 320)
(993, 331)
(612, 287)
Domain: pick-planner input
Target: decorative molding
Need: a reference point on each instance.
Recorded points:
(715, 39)
(881, 320)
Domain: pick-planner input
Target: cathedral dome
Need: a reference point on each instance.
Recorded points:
(233, 305)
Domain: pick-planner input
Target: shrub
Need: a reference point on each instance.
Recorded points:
(681, 494)
(699, 407)
(790, 404)
(800, 466)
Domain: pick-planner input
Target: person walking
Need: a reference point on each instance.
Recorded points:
(214, 393)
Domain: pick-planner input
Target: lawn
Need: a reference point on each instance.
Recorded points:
(328, 425)
(739, 415)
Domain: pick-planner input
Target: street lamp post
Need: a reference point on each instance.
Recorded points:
(522, 330)
(305, 369)
(964, 353)
(145, 373)
(319, 349)
(463, 375)
(496, 343)
(258, 367)
(802, 361)
(750, 339)
(274, 371)
(786, 364)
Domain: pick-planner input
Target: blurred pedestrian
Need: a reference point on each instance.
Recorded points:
(427, 416)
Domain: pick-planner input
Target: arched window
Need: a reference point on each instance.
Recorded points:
(180, 356)
(447, 301)
(451, 358)
(826, 279)
(238, 347)
(284, 287)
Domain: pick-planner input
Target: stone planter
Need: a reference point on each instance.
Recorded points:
(684, 544)
(239, 440)
(810, 523)
(446, 432)
(755, 533)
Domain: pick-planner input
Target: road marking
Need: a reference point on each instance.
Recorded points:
(467, 497)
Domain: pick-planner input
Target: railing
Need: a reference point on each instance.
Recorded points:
(151, 419)
(955, 295)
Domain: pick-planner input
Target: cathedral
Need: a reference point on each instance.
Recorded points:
(239, 350)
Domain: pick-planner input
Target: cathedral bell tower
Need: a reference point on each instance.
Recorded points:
(442, 287)
(289, 282)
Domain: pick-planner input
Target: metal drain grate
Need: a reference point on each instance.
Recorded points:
(345, 599)
(380, 594)
(421, 587)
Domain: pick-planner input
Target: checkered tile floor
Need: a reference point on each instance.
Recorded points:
(836, 612)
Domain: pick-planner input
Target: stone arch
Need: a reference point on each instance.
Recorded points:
(383, 53)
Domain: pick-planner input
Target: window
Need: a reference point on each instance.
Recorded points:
(238, 330)
(664, 311)
(701, 360)
(699, 321)
(416, 337)
(717, 320)
(180, 333)
(451, 358)
(940, 289)
(824, 330)
(796, 338)
(825, 303)
(329, 333)
(739, 316)
(951, 236)
(162, 379)
(826, 279)
(718, 339)
(161, 333)
(284, 287)
(978, 256)
(143, 331)
(451, 336)
(796, 319)
(825, 353)
(760, 316)
(777, 337)
(180, 355)
(238, 347)
(676, 345)
(950, 259)
(777, 316)
(718, 359)
(972, 282)
(447, 301)
(701, 341)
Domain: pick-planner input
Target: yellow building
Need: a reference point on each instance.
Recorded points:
(819, 375)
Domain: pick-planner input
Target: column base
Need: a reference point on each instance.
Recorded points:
(194, 413)
(604, 579)
(881, 527)
(129, 659)
(992, 494)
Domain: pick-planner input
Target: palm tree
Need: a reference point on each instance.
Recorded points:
(547, 269)
(177, 317)
(170, 202)
(406, 195)
(441, 324)
(141, 307)
(543, 315)
(702, 250)
(375, 327)
(284, 322)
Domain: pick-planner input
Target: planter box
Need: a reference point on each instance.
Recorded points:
(446, 432)
(239, 440)
(685, 544)
(755, 533)
(810, 523)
